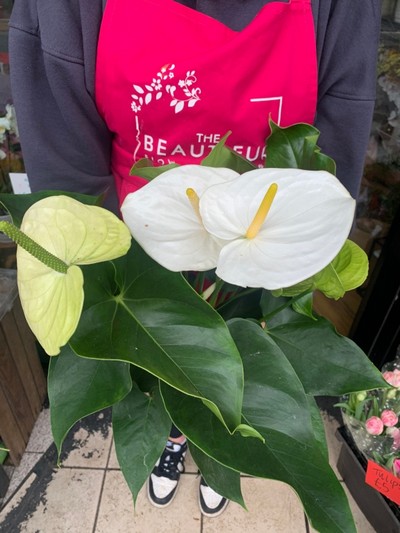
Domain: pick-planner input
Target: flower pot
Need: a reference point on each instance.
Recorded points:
(382, 514)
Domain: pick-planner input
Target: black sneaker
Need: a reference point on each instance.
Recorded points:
(211, 503)
(163, 481)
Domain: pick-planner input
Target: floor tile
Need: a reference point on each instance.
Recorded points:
(118, 515)
(15, 500)
(272, 507)
(41, 437)
(20, 472)
(68, 503)
(88, 444)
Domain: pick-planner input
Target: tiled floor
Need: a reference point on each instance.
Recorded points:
(88, 493)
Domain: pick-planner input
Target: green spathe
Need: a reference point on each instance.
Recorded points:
(77, 234)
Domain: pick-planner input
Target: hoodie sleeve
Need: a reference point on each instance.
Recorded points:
(347, 42)
(66, 144)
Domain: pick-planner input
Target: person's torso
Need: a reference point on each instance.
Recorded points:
(171, 81)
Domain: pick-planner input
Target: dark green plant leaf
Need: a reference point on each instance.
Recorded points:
(274, 397)
(78, 387)
(304, 467)
(145, 168)
(245, 303)
(327, 363)
(223, 480)
(141, 427)
(223, 156)
(296, 147)
(17, 204)
(172, 333)
(318, 426)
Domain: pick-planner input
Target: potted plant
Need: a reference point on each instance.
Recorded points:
(205, 318)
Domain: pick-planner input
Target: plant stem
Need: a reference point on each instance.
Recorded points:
(33, 247)
(214, 296)
(284, 306)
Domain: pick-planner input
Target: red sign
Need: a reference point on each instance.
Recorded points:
(383, 481)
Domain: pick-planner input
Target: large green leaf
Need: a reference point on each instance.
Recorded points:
(296, 147)
(141, 427)
(78, 387)
(223, 480)
(17, 204)
(304, 467)
(274, 397)
(297, 457)
(172, 333)
(327, 363)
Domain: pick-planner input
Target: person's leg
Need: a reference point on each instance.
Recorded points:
(163, 481)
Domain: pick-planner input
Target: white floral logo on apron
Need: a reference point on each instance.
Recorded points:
(188, 94)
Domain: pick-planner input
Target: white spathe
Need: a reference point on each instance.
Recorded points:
(163, 221)
(307, 225)
(76, 234)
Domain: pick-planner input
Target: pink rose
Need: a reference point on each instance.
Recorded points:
(374, 425)
(389, 418)
(396, 467)
(392, 377)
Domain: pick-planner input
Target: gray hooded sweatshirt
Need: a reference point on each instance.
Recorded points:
(66, 144)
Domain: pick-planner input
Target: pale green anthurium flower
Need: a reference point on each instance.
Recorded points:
(77, 234)
(167, 225)
(308, 221)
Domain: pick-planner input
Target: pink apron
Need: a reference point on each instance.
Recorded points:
(171, 81)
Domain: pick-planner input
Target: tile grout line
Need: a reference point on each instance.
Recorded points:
(102, 487)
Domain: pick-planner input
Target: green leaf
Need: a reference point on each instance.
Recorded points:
(169, 329)
(327, 363)
(270, 381)
(78, 387)
(347, 271)
(304, 305)
(318, 426)
(17, 204)
(296, 147)
(304, 467)
(223, 156)
(223, 480)
(245, 303)
(145, 168)
(141, 427)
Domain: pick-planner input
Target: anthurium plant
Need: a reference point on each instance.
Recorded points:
(197, 310)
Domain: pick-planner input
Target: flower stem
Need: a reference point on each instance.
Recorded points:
(33, 247)
(214, 296)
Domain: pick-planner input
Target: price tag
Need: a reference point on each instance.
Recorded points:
(383, 481)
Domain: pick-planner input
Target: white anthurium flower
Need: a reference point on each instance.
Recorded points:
(164, 219)
(282, 237)
(75, 234)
